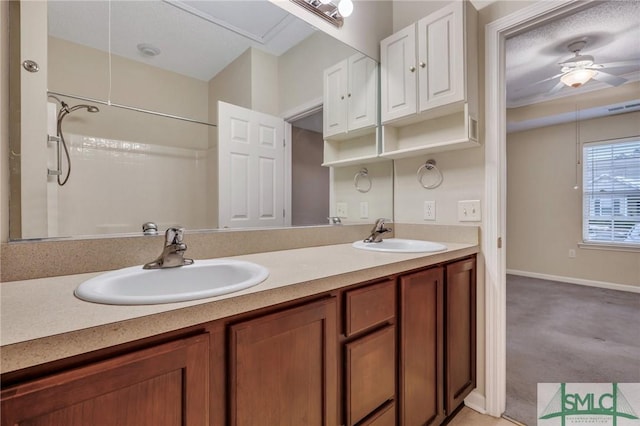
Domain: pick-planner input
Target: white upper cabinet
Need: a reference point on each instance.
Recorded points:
(429, 87)
(350, 97)
(425, 66)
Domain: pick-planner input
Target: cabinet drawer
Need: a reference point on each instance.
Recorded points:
(369, 306)
(370, 373)
(386, 417)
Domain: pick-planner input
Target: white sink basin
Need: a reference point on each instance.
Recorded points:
(205, 278)
(399, 245)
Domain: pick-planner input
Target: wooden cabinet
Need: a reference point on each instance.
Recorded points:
(163, 385)
(421, 348)
(460, 297)
(350, 97)
(370, 354)
(429, 72)
(437, 341)
(283, 368)
(400, 351)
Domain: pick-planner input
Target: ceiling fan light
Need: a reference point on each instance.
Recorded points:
(578, 77)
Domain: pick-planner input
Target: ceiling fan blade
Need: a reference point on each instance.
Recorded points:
(547, 79)
(630, 63)
(556, 88)
(609, 79)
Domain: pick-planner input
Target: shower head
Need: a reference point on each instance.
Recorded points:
(89, 108)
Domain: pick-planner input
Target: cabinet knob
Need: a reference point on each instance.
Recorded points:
(349, 95)
(342, 97)
(422, 65)
(412, 69)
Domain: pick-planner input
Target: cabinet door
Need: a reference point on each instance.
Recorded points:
(398, 74)
(441, 57)
(421, 348)
(335, 99)
(283, 368)
(362, 94)
(460, 331)
(163, 385)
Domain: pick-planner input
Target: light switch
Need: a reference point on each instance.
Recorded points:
(469, 211)
(342, 210)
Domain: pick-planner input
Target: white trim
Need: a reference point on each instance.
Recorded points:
(494, 223)
(288, 140)
(634, 248)
(475, 400)
(578, 281)
(304, 110)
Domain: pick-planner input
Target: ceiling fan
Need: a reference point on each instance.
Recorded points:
(579, 69)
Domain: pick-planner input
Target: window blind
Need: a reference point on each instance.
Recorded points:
(611, 194)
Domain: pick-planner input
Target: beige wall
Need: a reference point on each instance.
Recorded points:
(301, 69)
(230, 85)
(544, 212)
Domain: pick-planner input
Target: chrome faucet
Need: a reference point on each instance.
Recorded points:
(173, 252)
(379, 229)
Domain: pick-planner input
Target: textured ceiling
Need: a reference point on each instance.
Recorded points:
(611, 30)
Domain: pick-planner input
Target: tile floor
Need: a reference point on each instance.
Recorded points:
(468, 417)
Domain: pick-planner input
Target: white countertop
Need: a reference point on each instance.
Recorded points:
(41, 320)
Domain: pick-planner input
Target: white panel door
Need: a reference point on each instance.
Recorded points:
(398, 74)
(362, 94)
(441, 57)
(250, 168)
(334, 98)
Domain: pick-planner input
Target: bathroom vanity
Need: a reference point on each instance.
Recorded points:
(335, 336)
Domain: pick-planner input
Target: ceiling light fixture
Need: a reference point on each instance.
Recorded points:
(327, 10)
(578, 77)
(148, 50)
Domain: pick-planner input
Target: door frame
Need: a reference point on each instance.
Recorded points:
(495, 205)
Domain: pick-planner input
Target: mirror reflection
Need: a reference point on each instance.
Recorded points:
(149, 107)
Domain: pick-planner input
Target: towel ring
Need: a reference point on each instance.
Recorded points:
(422, 172)
(363, 174)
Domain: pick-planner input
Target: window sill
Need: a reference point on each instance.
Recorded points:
(611, 247)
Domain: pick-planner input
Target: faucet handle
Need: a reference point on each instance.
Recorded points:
(174, 235)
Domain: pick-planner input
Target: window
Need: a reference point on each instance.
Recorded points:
(611, 198)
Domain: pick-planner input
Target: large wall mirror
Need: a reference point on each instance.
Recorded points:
(129, 93)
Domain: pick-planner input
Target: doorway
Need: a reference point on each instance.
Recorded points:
(310, 181)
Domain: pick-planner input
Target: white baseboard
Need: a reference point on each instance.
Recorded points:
(475, 400)
(579, 281)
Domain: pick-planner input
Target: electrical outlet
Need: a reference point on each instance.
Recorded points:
(342, 210)
(572, 253)
(429, 210)
(469, 211)
(364, 210)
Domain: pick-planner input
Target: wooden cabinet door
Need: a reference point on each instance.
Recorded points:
(441, 57)
(362, 94)
(283, 368)
(335, 99)
(421, 348)
(460, 331)
(163, 385)
(398, 75)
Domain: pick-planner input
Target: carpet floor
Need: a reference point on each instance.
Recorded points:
(566, 333)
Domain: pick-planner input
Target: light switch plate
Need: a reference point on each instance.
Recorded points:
(364, 210)
(429, 210)
(342, 210)
(469, 211)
